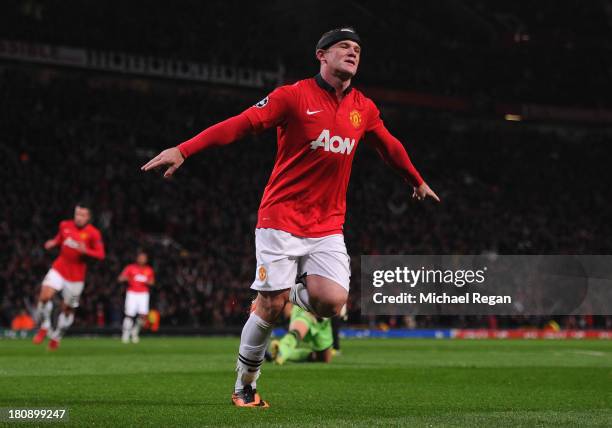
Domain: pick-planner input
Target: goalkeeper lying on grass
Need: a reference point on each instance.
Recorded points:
(309, 339)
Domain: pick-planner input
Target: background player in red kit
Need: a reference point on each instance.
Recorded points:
(140, 277)
(78, 240)
(319, 123)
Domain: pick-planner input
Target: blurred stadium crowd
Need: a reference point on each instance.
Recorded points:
(510, 51)
(69, 134)
(507, 188)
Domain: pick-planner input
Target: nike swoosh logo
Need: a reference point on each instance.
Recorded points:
(308, 112)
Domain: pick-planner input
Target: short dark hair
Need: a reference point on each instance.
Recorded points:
(84, 203)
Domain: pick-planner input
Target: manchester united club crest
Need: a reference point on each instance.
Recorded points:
(83, 235)
(261, 272)
(355, 118)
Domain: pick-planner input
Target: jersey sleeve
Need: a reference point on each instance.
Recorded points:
(374, 120)
(273, 110)
(125, 273)
(389, 148)
(59, 236)
(222, 133)
(95, 248)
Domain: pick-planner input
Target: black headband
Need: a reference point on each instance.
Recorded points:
(336, 36)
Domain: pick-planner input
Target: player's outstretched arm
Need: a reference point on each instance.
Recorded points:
(393, 153)
(55, 241)
(51, 243)
(220, 134)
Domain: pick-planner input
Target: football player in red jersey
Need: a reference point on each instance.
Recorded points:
(78, 241)
(140, 277)
(299, 232)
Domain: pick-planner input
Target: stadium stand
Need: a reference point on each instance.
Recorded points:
(67, 133)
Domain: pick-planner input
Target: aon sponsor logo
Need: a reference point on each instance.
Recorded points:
(334, 144)
(70, 243)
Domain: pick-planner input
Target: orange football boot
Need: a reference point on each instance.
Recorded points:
(248, 397)
(40, 336)
(53, 345)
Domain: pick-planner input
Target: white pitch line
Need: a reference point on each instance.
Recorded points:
(591, 353)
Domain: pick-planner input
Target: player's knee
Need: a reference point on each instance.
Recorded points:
(46, 294)
(270, 304)
(328, 309)
(67, 309)
(329, 305)
(326, 296)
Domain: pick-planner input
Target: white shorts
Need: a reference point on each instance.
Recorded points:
(71, 290)
(281, 256)
(136, 303)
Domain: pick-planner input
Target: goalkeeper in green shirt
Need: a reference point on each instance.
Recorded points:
(309, 339)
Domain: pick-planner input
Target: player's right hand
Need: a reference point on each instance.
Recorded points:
(171, 157)
(50, 244)
(424, 191)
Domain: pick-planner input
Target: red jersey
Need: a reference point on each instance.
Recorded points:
(71, 263)
(317, 140)
(139, 277)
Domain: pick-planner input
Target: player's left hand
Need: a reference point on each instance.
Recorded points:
(81, 248)
(424, 191)
(172, 158)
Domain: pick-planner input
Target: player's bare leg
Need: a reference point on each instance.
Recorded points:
(320, 296)
(324, 356)
(44, 308)
(64, 321)
(253, 344)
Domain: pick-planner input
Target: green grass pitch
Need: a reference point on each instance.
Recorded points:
(394, 382)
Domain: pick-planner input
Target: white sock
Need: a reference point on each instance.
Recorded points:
(253, 344)
(43, 314)
(136, 327)
(63, 323)
(298, 295)
(128, 323)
